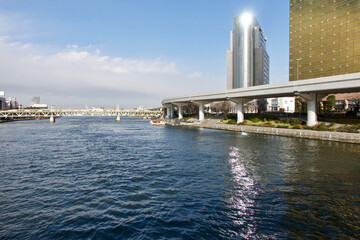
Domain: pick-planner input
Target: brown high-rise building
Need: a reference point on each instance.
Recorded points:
(324, 38)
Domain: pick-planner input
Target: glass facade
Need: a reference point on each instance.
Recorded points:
(243, 51)
(324, 38)
(247, 54)
(262, 74)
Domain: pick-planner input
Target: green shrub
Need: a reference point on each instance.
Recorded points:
(321, 127)
(230, 117)
(348, 129)
(282, 126)
(308, 128)
(298, 126)
(285, 120)
(262, 117)
(270, 117)
(255, 120)
(295, 121)
(332, 124)
(230, 121)
(267, 124)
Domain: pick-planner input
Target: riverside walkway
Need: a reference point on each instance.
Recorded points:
(296, 133)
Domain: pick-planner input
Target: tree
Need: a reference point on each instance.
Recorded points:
(330, 103)
(191, 109)
(261, 104)
(222, 106)
(320, 107)
(300, 105)
(225, 107)
(356, 102)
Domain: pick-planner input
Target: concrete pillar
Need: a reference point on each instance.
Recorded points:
(201, 111)
(118, 117)
(163, 111)
(180, 110)
(240, 111)
(52, 118)
(172, 111)
(167, 113)
(311, 113)
(240, 108)
(311, 108)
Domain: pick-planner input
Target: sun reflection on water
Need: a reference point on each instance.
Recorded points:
(242, 199)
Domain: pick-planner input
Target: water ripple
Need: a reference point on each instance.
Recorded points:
(93, 178)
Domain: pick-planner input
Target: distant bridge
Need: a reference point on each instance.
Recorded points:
(53, 113)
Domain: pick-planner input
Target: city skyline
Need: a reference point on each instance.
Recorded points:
(126, 53)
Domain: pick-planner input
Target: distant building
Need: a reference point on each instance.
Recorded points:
(345, 101)
(39, 106)
(35, 100)
(247, 59)
(282, 104)
(324, 38)
(2, 100)
(35, 103)
(11, 104)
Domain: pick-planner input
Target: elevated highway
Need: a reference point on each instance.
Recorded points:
(310, 89)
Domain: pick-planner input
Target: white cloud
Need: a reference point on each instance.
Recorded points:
(73, 56)
(76, 76)
(195, 75)
(15, 25)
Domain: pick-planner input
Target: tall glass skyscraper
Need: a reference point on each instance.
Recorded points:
(324, 38)
(247, 59)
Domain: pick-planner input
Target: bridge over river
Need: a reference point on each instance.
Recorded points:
(53, 113)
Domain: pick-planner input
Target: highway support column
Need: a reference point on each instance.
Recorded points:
(180, 111)
(201, 111)
(167, 113)
(201, 105)
(311, 113)
(52, 118)
(311, 108)
(239, 109)
(171, 111)
(240, 112)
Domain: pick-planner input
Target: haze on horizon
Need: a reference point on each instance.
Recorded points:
(127, 53)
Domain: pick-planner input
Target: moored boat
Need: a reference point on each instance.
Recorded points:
(157, 122)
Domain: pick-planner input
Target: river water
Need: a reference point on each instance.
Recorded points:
(94, 178)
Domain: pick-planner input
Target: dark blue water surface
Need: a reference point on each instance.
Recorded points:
(94, 178)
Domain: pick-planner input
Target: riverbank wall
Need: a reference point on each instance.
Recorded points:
(298, 133)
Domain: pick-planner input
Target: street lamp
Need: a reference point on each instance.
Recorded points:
(297, 67)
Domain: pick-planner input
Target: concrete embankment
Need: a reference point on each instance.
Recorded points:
(299, 133)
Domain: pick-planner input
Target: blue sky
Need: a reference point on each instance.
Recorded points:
(105, 53)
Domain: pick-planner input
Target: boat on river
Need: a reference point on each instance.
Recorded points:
(157, 122)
